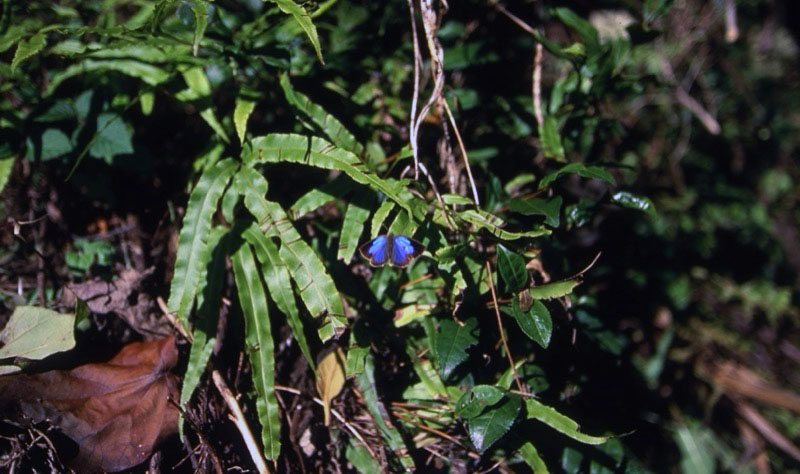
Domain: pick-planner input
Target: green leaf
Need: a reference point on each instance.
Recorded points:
(511, 267)
(353, 226)
(28, 48)
(694, 443)
(550, 208)
(260, 347)
(150, 74)
(35, 333)
(209, 298)
(244, 107)
(147, 101)
(531, 457)
(493, 224)
(317, 152)
(321, 195)
(552, 418)
(304, 20)
(379, 217)
(551, 139)
(199, 92)
(452, 342)
(333, 129)
(193, 237)
(360, 458)
(633, 201)
(555, 289)
(484, 430)
(594, 172)
(113, 137)
(536, 322)
(356, 360)
(476, 399)
(587, 32)
(200, 9)
(6, 166)
(317, 289)
(55, 143)
(366, 384)
(276, 275)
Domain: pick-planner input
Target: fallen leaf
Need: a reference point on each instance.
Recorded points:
(115, 411)
(330, 380)
(103, 296)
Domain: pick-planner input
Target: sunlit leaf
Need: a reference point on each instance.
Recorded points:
(35, 333)
(28, 48)
(551, 139)
(633, 201)
(563, 424)
(485, 429)
(476, 399)
(555, 289)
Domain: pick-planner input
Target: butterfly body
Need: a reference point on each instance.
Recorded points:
(397, 250)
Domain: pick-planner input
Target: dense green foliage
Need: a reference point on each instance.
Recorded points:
(272, 139)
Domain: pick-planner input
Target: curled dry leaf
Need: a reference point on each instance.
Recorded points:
(115, 411)
(330, 379)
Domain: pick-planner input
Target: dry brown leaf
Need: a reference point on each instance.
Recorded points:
(115, 411)
(330, 379)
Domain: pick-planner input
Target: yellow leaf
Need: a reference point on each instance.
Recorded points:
(330, 379)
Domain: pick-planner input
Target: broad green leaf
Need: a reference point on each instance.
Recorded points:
(531, 457)
(147, 101)
(402, 224)
(304, 20)
(555, 289)
(457, 200)
(493, 224)
(35, 333)
(476, 399)
(55, 143)
(551, 139)
(113, 137)
(327, 123)
(317, 289)
(511, 267)
(485, 429)
(594, 172)
(353, 226)
(452, 342)
(379, 217)
(552, 418)
(28, 48)
(550, 208)
(317, 152)
(536, 322)
(200, 9)
(244, 107)
(193, 237)
(633, 201)
(199, 92)
(208, 301)
(366, 384)
(279, 284)
(260, 347)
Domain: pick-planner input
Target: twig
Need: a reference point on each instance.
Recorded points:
(537, 84)
(241, 424)
(436, 432)
(338, 416)
(172, 320)
(500, 328)
(412, 125)
(512, 17)
(731, 29)
(463, 153)
(683, 98)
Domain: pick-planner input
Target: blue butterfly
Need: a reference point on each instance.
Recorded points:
(397, 250)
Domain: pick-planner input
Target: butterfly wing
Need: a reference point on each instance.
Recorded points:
(404, 250)
(376, 251)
